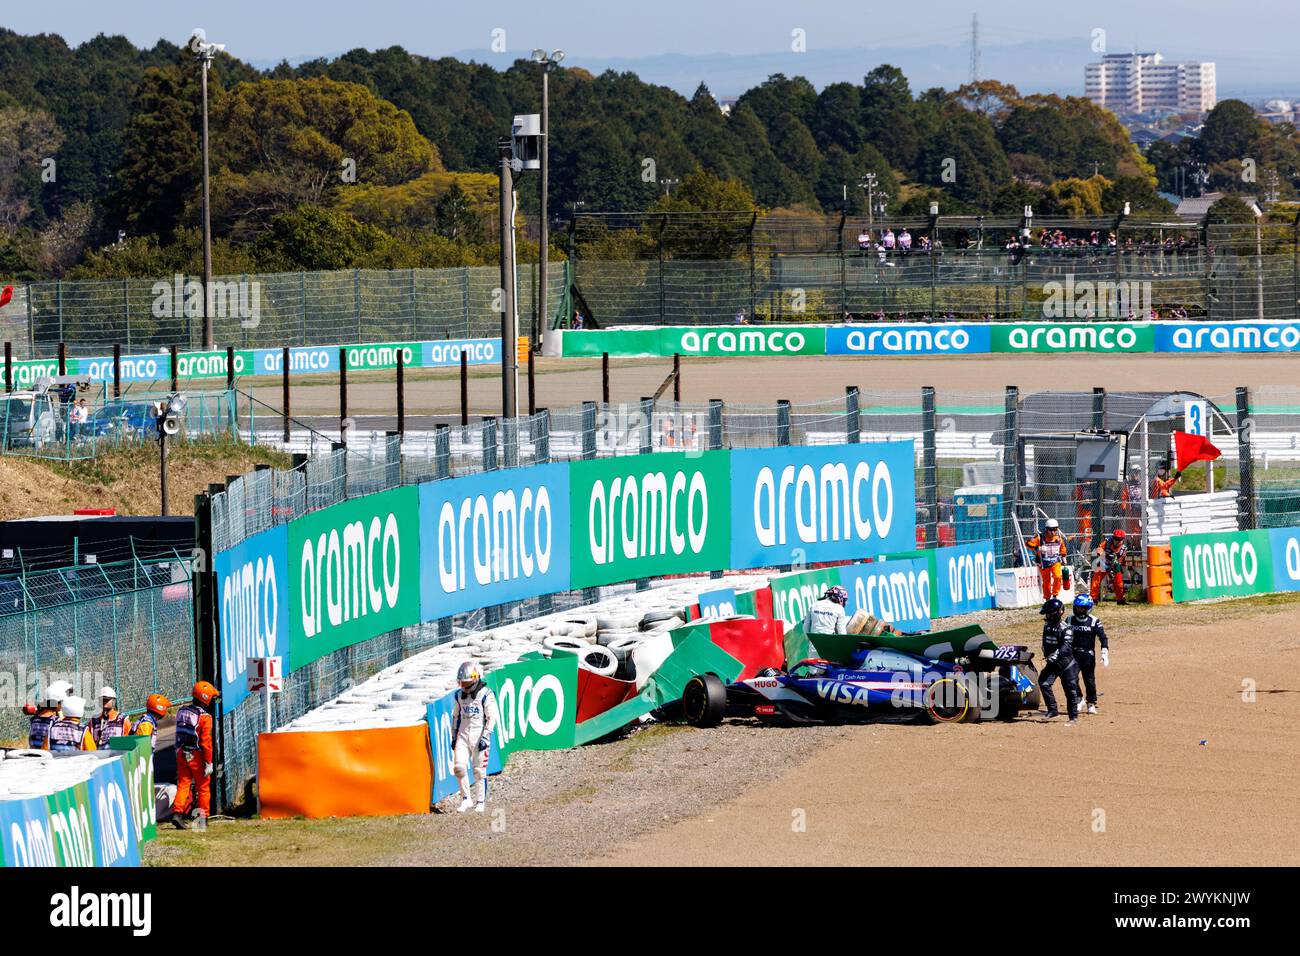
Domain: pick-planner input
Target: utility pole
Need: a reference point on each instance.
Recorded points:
(974, 48)
(868, 183)
(548, 63)
(206, 52)
(509, 320)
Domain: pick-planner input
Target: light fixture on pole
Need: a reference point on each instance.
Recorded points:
(167, 420)
(548, 62)
(206, 53)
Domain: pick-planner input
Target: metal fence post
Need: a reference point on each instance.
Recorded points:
(1099, 495)
(441, 451)
(489, 443)
(588, 430)
(510, 442)
(783, 421)
(1247, 517)
(203, 595)
(929, 467)
(343, 396)
(1010, 475)
(715, 423)
(392, 459)
(647, 425)
(852, 415)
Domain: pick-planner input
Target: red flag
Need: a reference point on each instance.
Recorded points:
(6, 294)
(1189, 449)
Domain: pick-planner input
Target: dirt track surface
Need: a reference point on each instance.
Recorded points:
(561, 383)
(987, 794)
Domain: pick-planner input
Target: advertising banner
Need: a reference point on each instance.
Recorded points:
(1192, 337)
(745, 340)
(442, 749)
(1285, 546)
(897, 592)
(449, 352)
(26, 833)
(1221, 564)
(1072, 337)
(623, 342)
(963, 578)
(908, 339)
(70, 820)
(719, 603)
(252, 608)
(492, 538)
(539, 704)
(112, 817)
(137, 767)
(645, 516)
(355, 573)
(793, 594)
(823, 503)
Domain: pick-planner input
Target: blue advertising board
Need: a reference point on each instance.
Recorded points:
(252, 608)
(964, 578)
(1285, 544)
(718, 604)
(492, 538)
(477, 351)
(897, 592)
(802, 504)
(906, 339)
(1201, 337)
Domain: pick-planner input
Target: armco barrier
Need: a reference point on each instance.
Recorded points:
(310, 360)
(937, 338)
(376, 563)
(102, 821)
(1235, 563)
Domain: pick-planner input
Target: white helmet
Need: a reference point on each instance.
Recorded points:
(1052, 525)
(107, 692)
(56, 692)
(74, 707)
(469, 671)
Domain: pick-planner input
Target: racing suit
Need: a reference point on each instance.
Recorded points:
(1112, 556)
(826, 617)
(1050, 552)
(1058, 654)
(1087, 632)
(474, 716)
(193, 760)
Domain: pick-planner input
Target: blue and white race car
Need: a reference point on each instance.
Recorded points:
(881, 684)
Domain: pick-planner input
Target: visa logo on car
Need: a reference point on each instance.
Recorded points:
(840, 693)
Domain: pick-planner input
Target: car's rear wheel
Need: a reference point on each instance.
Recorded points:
(947, 702)
(704, 701)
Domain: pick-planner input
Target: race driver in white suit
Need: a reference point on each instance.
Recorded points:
(474, 716)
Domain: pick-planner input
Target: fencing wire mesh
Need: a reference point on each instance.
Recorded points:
(129, 625)
(268, 310)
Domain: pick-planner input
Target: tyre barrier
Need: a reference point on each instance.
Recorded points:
(92, 808)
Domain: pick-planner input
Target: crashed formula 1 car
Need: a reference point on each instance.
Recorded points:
(954, 676)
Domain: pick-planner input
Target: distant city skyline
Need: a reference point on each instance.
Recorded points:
(731, 46)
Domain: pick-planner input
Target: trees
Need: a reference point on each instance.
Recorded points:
(888, 122)
(26, 138)
(1231, 131)
(964, 159)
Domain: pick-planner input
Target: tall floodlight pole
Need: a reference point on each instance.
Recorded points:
(206, 52)
(509, 320)
(548, 62)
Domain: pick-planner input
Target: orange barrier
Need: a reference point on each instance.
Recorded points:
(597, 693)
(1159, 555)
(344, 773)
(1159, 576)
(1163, 594)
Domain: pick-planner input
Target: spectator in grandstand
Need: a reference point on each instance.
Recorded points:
(473, 718)
(847, 317)
(194, 758)
(828, 616)
(67, 733)
(109, 722)
(887, 240)
(155, 709)
(864, 240)
(740, 317)
(905, 242)
(1163, 486)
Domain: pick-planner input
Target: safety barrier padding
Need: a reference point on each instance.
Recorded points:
(336, 773)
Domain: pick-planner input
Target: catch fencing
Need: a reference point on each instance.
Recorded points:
(127, 623)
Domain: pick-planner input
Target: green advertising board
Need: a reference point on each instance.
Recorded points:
(1064, 337)
(1222, 564)
(137, 766)
(645, 516)
(354, 572)
(70, 816)
(792, 596)
(745, 340)
(539, 704)
(621, 342)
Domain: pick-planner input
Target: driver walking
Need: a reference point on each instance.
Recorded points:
(1058, 651)
(474, 716)
(1087, 631)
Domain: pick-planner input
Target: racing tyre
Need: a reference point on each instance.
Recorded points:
(947, 702)
(704, 701)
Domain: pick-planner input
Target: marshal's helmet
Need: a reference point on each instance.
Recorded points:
(204, 693)
(157, 704)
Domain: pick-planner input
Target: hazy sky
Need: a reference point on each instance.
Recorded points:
(263, 30)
